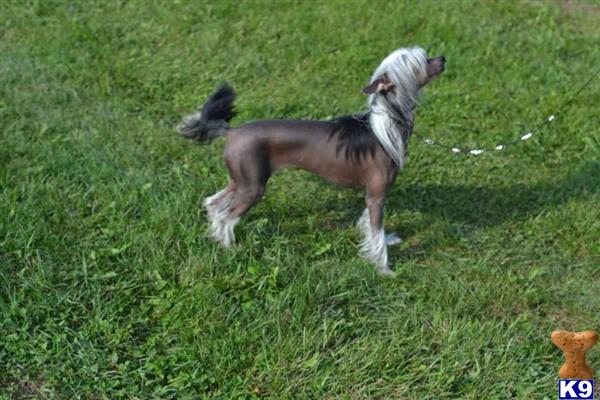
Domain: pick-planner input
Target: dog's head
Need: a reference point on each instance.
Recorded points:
(404, 72)
(393, 92)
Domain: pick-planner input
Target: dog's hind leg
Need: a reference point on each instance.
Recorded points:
(249, 175)
(231, 207)
(219, 207)
(374, 246)
(211, 203)
(245, 198)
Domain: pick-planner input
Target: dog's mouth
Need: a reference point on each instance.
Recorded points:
(436, 66)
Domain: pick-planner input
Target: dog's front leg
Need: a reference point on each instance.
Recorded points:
(374, 246)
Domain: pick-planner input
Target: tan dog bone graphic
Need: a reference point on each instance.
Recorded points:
(574, 345)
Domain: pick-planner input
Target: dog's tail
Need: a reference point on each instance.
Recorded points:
(213, 119)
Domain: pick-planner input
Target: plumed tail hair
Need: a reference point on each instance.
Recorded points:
(213, 119)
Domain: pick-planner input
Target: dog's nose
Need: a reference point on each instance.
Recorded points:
(443, 59)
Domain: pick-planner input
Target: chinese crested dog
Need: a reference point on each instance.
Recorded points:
(364, 150)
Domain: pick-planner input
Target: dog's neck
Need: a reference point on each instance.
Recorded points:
(392, 127)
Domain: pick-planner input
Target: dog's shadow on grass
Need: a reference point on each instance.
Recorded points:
(480, 206)
(487, 206)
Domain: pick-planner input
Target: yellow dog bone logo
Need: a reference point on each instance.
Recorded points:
(574, 346)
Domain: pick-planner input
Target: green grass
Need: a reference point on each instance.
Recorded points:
(109, 287)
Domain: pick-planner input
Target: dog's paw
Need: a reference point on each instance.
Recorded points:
(392, 239)
(386, 272)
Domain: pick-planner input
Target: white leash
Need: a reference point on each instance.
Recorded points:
(523, 137)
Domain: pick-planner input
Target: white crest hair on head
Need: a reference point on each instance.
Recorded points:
(406, 69)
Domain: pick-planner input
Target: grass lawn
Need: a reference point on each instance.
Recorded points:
(109, 287)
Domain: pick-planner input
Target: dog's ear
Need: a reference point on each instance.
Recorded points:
(378, 85)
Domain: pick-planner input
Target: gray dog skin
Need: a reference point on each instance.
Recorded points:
(353, 151)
